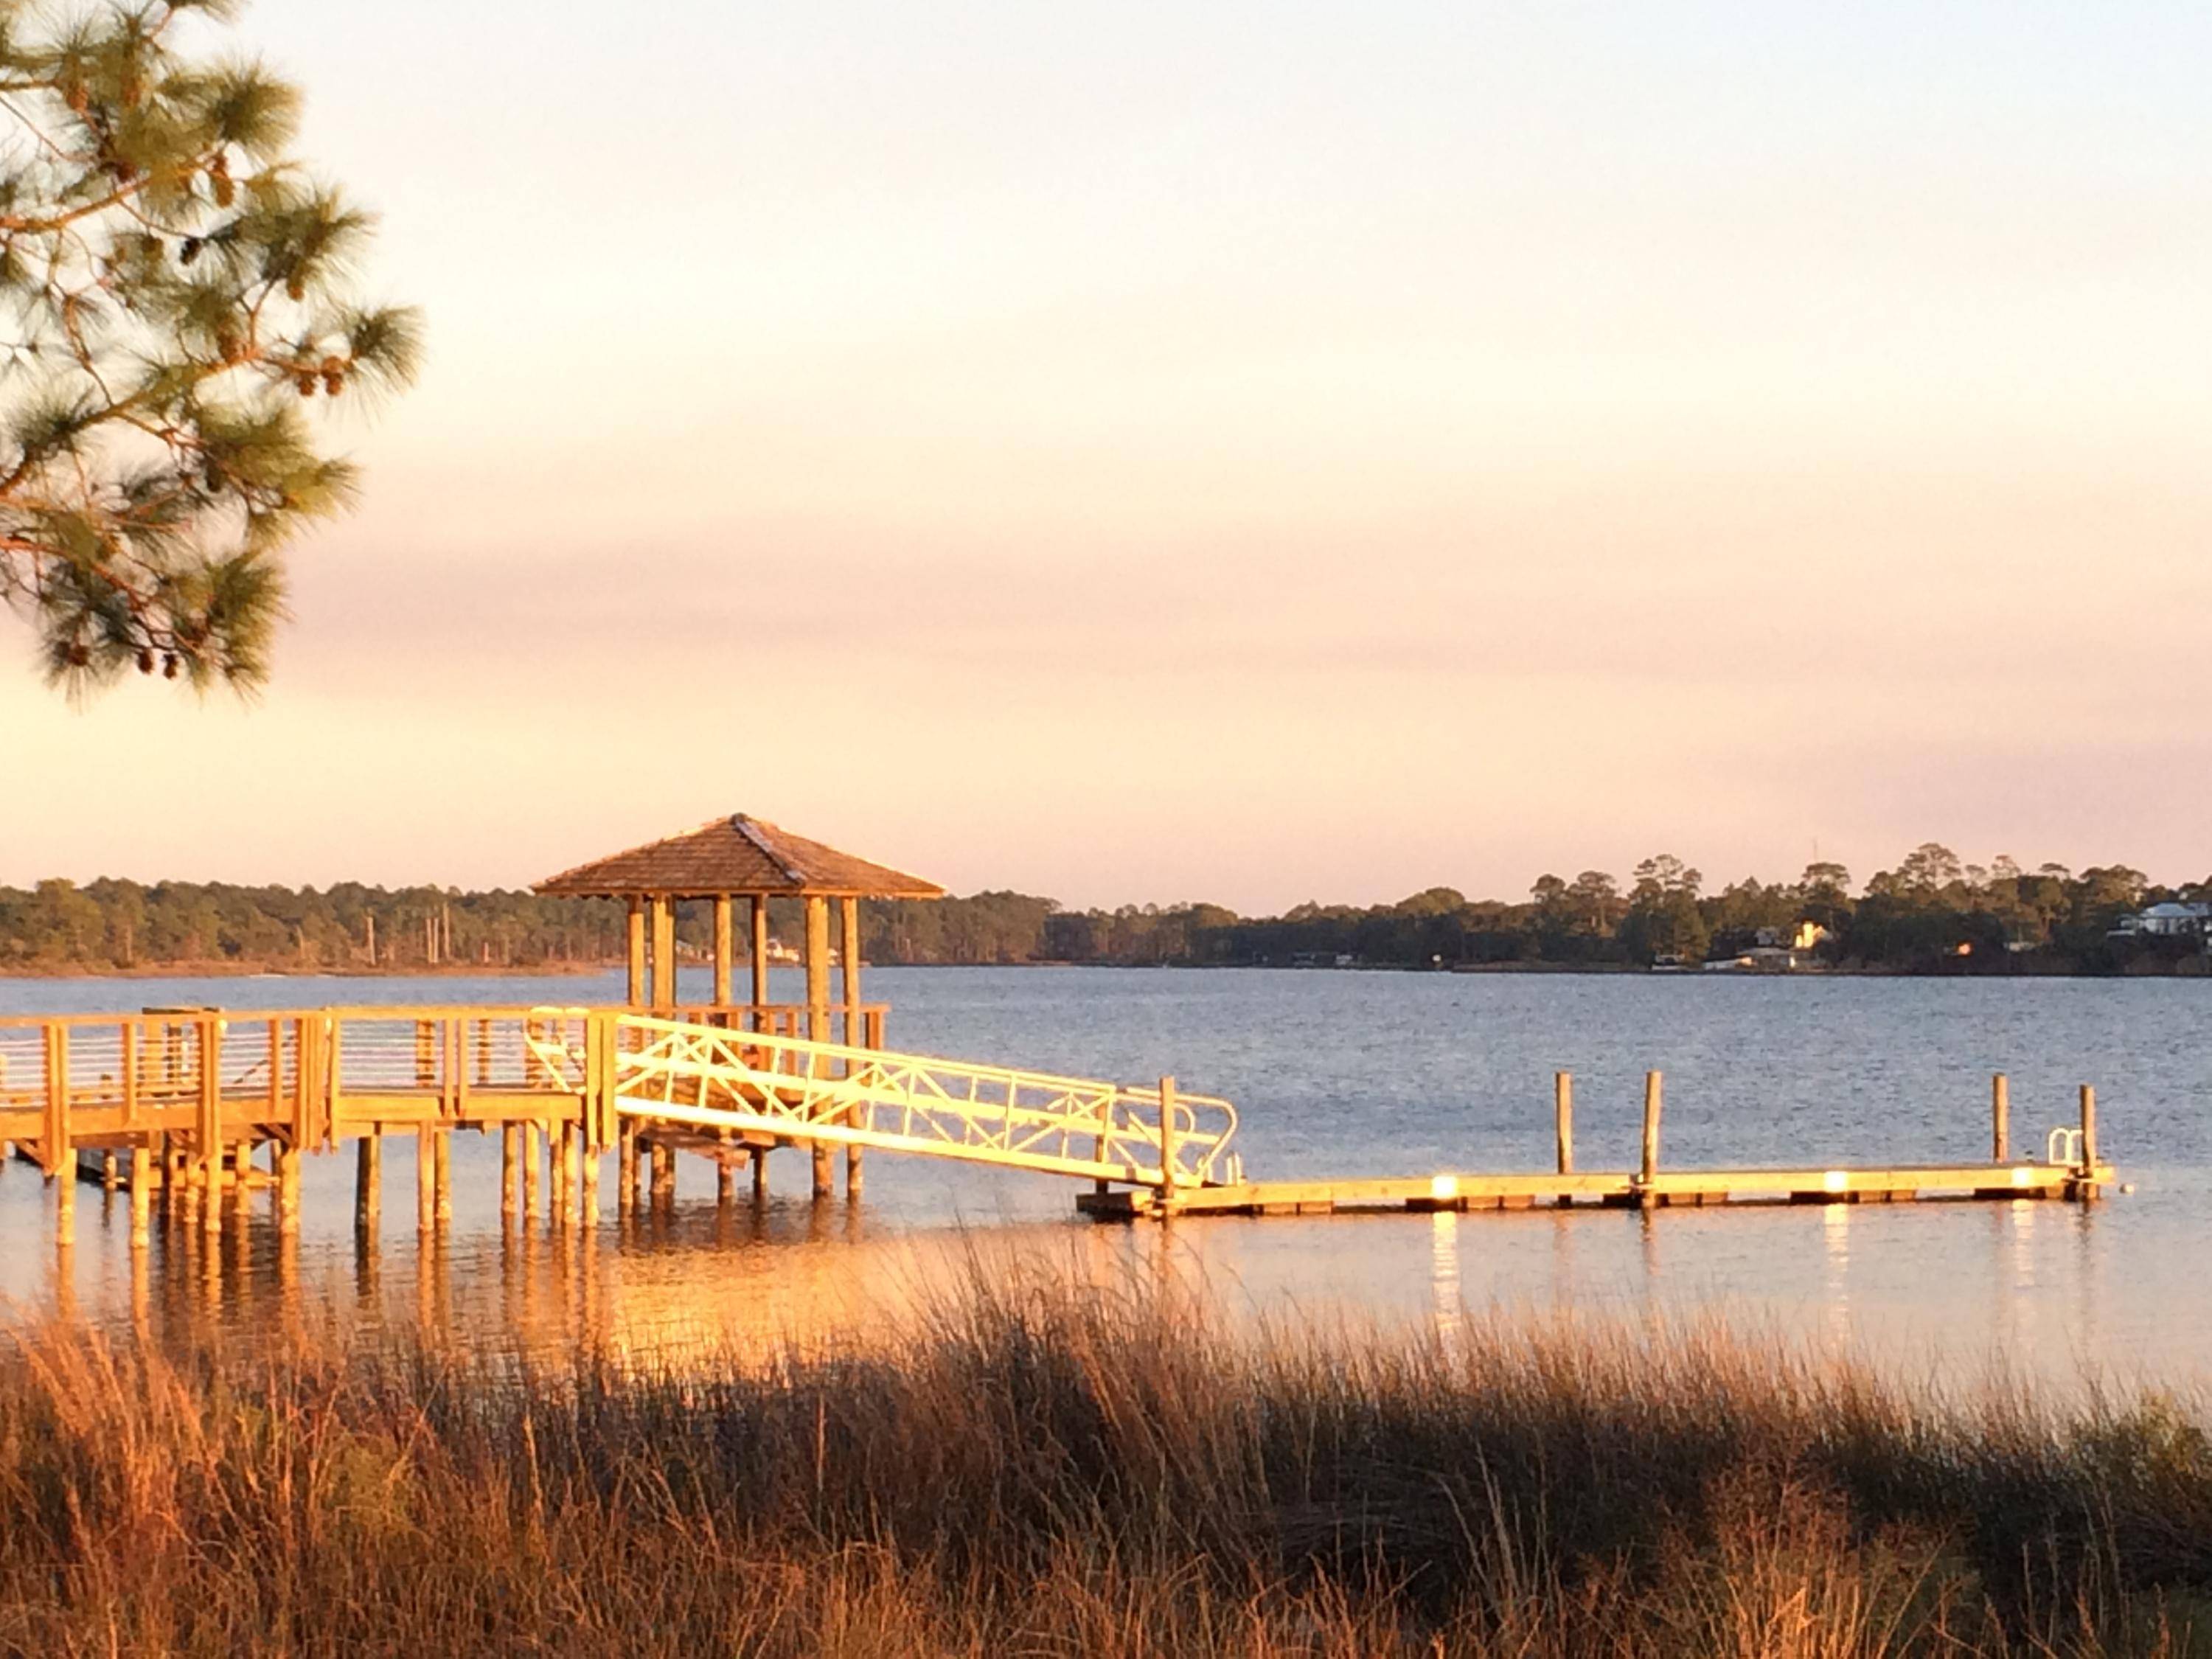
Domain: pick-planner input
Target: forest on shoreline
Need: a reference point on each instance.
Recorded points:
(1932, 914)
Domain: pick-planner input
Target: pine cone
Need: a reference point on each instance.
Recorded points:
(306, 385)
(145, 661)
(333, 384)
(168, 665)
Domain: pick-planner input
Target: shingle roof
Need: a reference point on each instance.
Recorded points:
(736, 855)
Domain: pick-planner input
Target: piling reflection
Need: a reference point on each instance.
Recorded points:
(1443, 1271)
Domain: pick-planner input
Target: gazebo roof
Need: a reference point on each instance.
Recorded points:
(736, 855)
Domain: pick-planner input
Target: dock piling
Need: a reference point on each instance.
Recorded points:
(2088, 1185)
(442, 1169)
(368, 1179)
(1167, 1144)
(426, 1179)
(2000, 1119)
(142, 1194)
(1653, 1096)
(533, 1193)
(1563, 1104)
(510, 1151)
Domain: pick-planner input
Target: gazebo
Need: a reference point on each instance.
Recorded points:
(724, 860)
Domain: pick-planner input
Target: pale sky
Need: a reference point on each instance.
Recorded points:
(1138, 451)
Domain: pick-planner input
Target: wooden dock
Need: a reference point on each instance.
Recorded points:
(1612, 1190)
(2070, 1170)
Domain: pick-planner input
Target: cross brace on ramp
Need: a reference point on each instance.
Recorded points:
(757, 1083)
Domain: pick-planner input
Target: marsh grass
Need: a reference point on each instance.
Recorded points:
(1032, 1469)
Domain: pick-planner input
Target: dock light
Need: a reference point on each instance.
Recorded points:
(1837, 1181)
(2020, 1177)
(1443, 1186)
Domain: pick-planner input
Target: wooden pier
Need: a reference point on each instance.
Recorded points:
(206, 1109)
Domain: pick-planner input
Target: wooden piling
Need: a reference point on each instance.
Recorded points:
(1652, 1099)
(426, 1179)
(2000, 1119)
(441, 1166)
(1563, 1111)
(510, 1153)
(109, 1177)
(664, 1176)
(572, 1172)
(1167, 1144)
(2089, 1144)
(726, 1183)
(825, 1171)
(533, 1194)
(64, 1180)
(760, 1175)
(626, 1169)
(287, 1188)
(369, 1180)
(587, 1187)
(142, 1194)
(241, 1178)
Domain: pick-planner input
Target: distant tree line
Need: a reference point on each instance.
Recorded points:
(1932, 914)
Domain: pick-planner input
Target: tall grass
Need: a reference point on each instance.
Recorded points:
(1039, 1471)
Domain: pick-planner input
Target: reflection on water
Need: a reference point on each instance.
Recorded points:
(1338, 1074)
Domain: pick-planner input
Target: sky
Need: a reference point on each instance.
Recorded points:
(1139, 451)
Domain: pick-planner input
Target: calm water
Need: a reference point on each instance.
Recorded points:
(1334, 1074)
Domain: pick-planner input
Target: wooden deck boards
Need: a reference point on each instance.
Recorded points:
(1622, 1188)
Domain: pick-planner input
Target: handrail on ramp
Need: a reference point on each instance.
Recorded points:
(757, 1082)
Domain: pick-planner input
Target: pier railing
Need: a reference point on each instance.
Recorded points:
(310, 1076)
(759, 1083)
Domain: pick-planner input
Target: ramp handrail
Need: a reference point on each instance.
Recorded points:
(799, 1087)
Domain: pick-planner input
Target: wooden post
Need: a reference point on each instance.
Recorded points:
(664, 1174)
(242, 1177)
(664, 952)
(1652, 1097)
(426, 1179)
(587, 1187)
(818, 968)
(210, 1125)
(725, 949)
(108, 1181)
(848, 955)
(287, 1186)
(533, 1194)
(2000, 1120)
(726, 1183)
(760, 949)
(1563, 1106)
(760, 1175)
(572, 1172)
(2089, 1144)
(142, 1194)
(825, 1171)
(441, 1164)
(1167, 1144)
(65, 1202)
(369, 1180)
(626, 1169)
(636, 953)
(556, 1169)
(510, 1154)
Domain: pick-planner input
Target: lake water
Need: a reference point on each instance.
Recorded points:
(1334, 1074)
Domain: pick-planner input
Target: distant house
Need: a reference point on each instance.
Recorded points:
(2173, 919)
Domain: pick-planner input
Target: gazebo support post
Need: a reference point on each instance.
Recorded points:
(760, 959)
(722, 949)
(636, 953)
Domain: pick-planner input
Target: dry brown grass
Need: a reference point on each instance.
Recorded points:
(1033, 1470)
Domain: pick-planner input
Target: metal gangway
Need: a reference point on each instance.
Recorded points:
(761, 1083)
